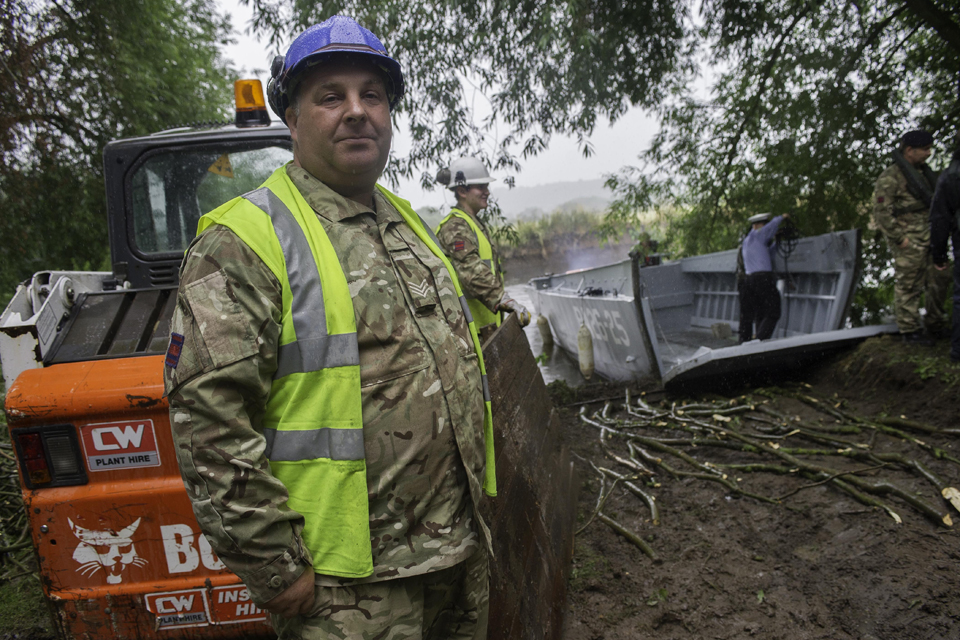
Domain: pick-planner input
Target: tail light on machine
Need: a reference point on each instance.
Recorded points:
(50, 456)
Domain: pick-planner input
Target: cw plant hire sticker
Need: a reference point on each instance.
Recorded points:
(120, 445)
(178, 609)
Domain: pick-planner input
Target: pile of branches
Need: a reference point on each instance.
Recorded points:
(16, 559)
(649, 443)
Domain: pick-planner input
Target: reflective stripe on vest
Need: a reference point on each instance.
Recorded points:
(335, 444)
(314, 348)
(466, 309)
(313, 418)
(481, 313)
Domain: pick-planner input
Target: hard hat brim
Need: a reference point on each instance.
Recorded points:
(470, 183)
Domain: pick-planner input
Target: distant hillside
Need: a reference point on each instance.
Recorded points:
(531, 202)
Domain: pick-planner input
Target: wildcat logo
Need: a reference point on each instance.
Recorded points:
(109, 551)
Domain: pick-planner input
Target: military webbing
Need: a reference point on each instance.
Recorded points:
(921, 187)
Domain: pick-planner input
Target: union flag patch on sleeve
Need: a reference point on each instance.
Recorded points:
(458, 245)
(173, 351)
(880, 199)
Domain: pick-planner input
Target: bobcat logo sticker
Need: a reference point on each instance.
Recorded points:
(110, 551)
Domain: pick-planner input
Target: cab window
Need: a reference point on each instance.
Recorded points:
(172, 189)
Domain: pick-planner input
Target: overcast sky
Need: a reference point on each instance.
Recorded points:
(614, 146)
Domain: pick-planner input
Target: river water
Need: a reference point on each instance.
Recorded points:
(557, 365)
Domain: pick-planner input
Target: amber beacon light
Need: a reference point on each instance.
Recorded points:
(251, 106)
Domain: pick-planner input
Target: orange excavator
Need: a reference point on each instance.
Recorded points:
(120, 553)
(119, 549)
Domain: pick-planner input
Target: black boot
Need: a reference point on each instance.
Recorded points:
(917, 338)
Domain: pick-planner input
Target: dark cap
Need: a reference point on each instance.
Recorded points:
(918, 138)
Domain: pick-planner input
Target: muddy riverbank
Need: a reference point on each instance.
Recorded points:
(815, 562)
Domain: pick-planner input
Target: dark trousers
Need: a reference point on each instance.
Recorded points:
(955, 336)
(760, 304)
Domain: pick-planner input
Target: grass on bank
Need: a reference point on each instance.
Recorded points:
(24, 613)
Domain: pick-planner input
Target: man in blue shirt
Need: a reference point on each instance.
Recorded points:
(759, 298)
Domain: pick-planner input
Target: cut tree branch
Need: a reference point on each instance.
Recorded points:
(938, 20)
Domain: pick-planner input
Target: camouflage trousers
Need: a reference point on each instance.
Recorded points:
(914, 276)
(452, 603)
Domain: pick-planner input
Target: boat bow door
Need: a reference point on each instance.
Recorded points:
(645, 318)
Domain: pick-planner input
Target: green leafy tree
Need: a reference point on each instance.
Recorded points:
(809, 97)
(811, 102)
(546, 68)
(75, 75)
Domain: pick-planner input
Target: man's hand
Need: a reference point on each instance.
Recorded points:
(786, 216)
(905, 243)
(296, 600)
(940, 267)
(509, 305)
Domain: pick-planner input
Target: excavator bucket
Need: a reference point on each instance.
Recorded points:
(532, 518)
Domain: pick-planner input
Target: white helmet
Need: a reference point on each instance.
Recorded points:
(464, 172)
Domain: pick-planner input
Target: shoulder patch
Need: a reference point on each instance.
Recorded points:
(458, 245)
(880, 200)
(173, 351)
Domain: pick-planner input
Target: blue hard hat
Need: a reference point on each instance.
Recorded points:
(336, 35)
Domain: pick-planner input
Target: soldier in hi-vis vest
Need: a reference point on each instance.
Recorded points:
(466, 241)
(329, 403)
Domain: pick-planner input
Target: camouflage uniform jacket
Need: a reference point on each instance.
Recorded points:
(897, 212)
(421, 392)
(477, 280)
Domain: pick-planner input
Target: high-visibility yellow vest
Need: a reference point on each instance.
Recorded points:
(313, 421)
(481, 314)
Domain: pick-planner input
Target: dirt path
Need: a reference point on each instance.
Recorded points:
(818, 565)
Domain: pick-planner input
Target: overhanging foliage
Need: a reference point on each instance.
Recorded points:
(77, 74)
(808, 100)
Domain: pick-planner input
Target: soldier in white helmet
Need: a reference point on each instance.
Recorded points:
(466, 240)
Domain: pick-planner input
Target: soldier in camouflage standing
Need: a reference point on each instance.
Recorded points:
(329, 403)
(902, 197)
(466, 240)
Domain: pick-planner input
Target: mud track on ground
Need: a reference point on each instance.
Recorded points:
(819, 564)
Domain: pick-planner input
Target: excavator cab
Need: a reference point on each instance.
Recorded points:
(118, 546)
(167, 188)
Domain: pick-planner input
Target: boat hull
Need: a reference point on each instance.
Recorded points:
(661, 321)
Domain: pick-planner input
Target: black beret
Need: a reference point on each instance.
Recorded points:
(917, 138)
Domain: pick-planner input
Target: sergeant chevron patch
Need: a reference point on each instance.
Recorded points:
(419, 289)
